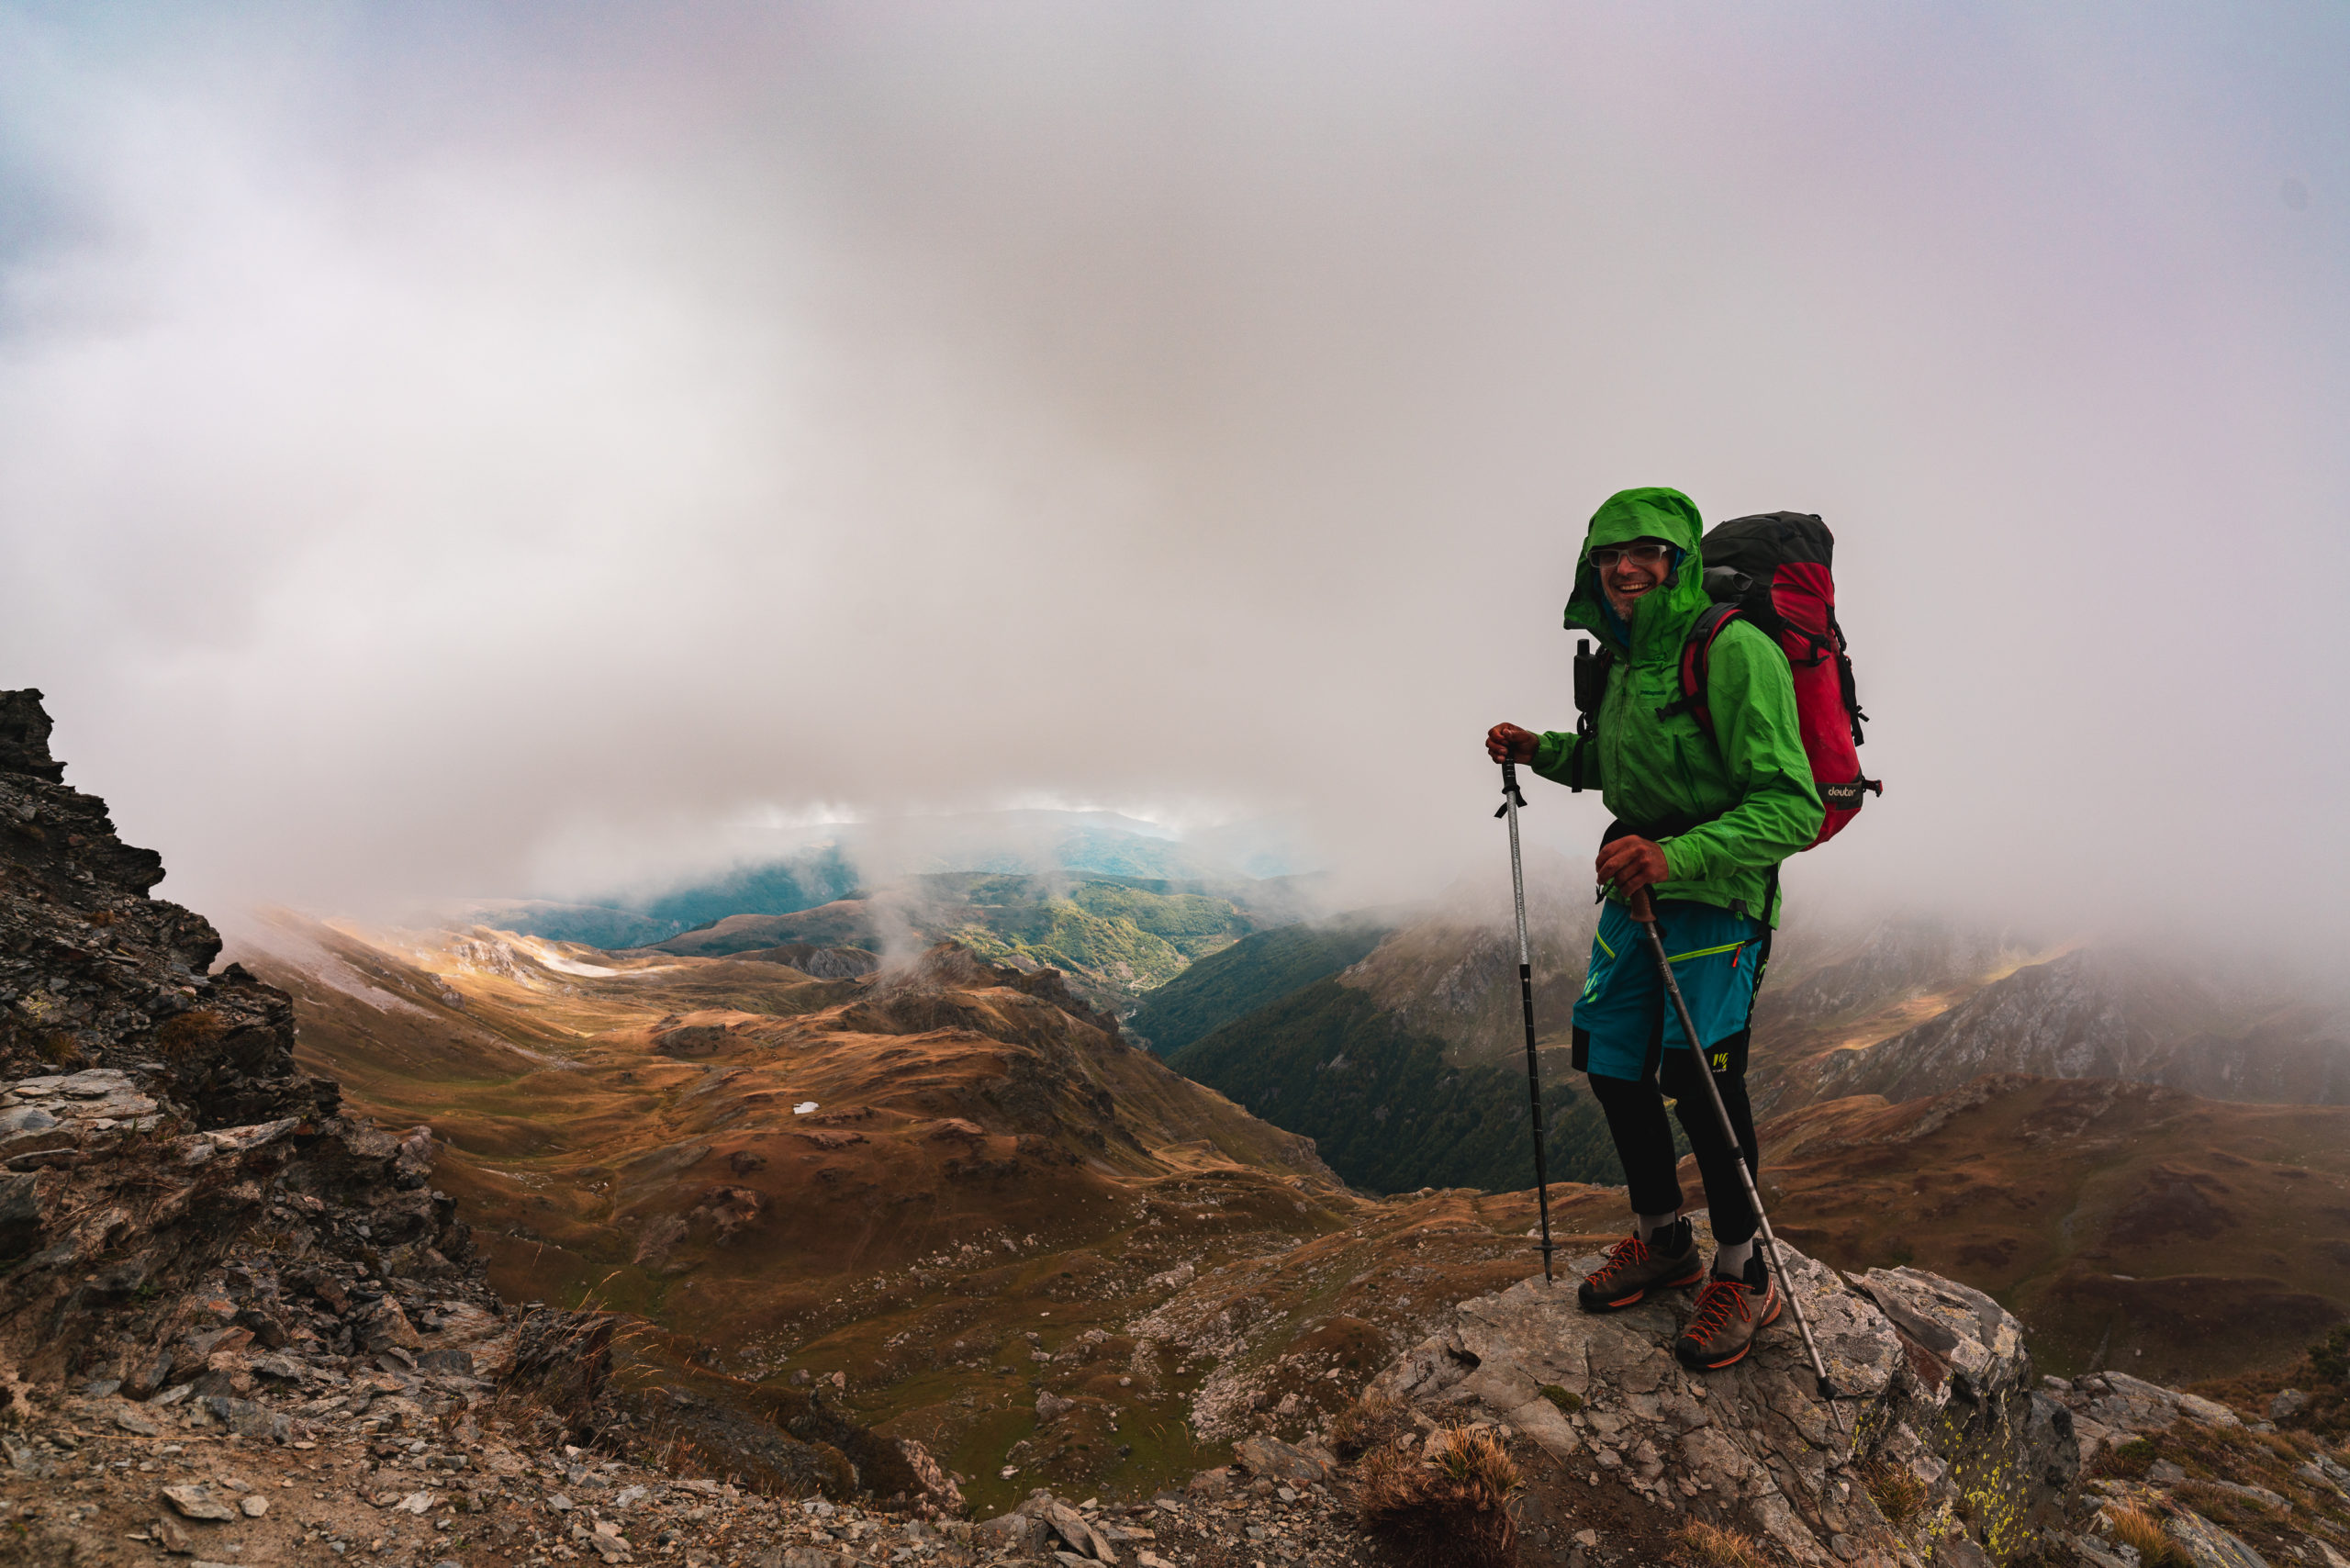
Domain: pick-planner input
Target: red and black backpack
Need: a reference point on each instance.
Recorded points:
(1773, 570)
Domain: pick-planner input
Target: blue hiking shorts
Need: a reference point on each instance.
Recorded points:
(1623, 1019)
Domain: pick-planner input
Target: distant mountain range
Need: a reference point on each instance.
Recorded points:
(1398, 1044)
(834, 862)
(1115, 938)
(2143, 1017)
(1261, 968)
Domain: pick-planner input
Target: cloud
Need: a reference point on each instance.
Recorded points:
(436, 442)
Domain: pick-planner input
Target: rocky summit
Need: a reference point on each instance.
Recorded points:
(1929, 1376)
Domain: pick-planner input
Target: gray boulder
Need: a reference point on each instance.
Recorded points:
(1932, 1377)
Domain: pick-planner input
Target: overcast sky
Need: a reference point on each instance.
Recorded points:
(468, 448)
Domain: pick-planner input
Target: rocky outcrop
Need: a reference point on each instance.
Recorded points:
(94, 973)
(154, 1126)
(629, 1387)
(823, 963)
(122, 1224)
(2167, 1466)
(1945, 1447)
(1934, 1387)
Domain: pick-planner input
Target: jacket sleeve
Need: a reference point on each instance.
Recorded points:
(1555, 758)
(1751, 694)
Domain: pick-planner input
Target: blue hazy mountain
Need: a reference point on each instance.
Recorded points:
(839, 860)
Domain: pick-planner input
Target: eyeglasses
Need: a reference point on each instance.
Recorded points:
(1606, 555)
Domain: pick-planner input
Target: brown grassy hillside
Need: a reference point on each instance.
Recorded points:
(993, 1189)
(994, 1194)
(2129, 1225)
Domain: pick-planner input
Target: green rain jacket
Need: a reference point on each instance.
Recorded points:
(1748, 787)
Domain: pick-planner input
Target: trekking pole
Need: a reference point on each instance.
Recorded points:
(1644, 910)
(1511, 802)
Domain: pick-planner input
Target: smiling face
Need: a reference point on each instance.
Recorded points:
(1628, 571)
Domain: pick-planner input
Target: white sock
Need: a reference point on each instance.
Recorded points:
(1650, 1224)
(1729, 1262)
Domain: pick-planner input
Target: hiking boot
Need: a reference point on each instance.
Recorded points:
(1634, 1268)
(1730, 1312)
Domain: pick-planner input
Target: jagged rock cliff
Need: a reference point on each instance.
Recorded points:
(153, 1124)
(94, 973)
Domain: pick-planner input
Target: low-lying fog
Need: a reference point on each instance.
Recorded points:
(491, 450)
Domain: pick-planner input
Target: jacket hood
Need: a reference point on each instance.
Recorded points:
(1662, 616)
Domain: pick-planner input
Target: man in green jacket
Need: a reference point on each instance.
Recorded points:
(1703, 820)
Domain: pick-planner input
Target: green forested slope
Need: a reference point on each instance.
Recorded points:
(1253, 971)
(1385, 1110)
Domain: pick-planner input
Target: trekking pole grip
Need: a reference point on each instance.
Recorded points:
(1643, 910)
(1511, 795)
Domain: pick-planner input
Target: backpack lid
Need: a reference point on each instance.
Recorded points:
(1757, 545)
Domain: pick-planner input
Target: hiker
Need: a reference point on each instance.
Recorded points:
(1703, 819)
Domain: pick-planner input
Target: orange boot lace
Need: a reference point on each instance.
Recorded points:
(1625, 1254)
(1718, 1303)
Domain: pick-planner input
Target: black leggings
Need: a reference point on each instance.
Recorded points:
(1644, 1140)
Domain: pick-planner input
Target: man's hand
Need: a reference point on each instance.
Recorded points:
(1508, 743)
(1631, 863)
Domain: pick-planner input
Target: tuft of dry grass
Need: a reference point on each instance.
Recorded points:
(199, 1029)
(1448, 1506)
(1711, 1546)
(2128, 1461)
(2143, 1533)
(1896, 1489)
(1366, 1424)
(2224, 1507)
(2291, 1448)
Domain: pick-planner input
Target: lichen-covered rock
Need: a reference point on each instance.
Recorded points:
(2112, 1407)
(1931, 1376)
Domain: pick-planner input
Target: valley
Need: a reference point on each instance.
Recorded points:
(1115, 939)
(958, 1187)
(987, 1191)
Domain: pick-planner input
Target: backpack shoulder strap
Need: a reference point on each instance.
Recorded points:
(1696, 661)
(1591, 690)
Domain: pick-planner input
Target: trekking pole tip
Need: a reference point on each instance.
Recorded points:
(1828, 1391)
